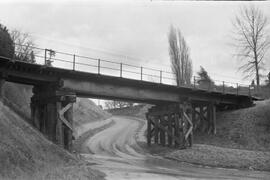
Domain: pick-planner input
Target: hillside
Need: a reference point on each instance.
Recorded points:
(137, 111)
(247, 128)
(242, 141)
(86, 111)
(18, 97)
(26, 154)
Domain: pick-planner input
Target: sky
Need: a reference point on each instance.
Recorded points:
(134, 32)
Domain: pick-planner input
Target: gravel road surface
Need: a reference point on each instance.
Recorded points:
(115, 152)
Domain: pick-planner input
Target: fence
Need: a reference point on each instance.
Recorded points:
(49, 57)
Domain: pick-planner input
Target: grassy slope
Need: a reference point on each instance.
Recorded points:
(26, 154)
(24, 151)
(242, 141)
(242, 129)
(18, 97)
(86, 111)
(137, 111)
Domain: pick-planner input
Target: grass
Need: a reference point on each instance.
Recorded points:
(242, 141)
(86, 111)
(247, 128)
(135, 111)
(223, 157)
(26, 154)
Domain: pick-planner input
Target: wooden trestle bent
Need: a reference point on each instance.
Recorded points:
(174, 124)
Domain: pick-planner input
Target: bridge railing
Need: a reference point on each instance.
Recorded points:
(75, 62)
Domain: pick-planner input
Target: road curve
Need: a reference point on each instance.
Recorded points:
(115, 152)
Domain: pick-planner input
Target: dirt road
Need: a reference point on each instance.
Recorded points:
(115, 152)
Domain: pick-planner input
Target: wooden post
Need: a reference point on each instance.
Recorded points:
(52, 121)
(69, 117)
(193, 111)
(36, 116)
(176, 128)
(214, 120)
(210, 117)
(183, 124)
(59, 126)
(156, 129)
(148, 129)
(191, 116)
(162, 132)
(201, 117)
(170, 129)
(43, 118)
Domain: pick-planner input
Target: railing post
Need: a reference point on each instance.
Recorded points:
(121, 69)
(223, 87)
(194, 81)
(249, 93)
(98, 66)
(73, 62)
(45, 57)
(236, 88)
(160, 77)
(141, 73)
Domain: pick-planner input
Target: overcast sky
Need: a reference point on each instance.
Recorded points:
(134, 32)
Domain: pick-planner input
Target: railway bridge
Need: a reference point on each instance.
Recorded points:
(176, 113)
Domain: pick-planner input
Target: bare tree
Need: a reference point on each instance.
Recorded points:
(251, 40)
(24, 46)
(117, 104)
(180, 59)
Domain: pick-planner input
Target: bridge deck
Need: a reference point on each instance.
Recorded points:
(101, 86)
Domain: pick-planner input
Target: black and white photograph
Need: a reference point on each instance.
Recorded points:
(134, 90)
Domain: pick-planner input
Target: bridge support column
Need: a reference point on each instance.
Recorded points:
(52, 114)
(170, 125)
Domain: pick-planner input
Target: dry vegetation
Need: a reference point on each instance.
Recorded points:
(223, 157)
(26, 154)
(242, 129)
(135, 111)
(242, 141)
(86, 111)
